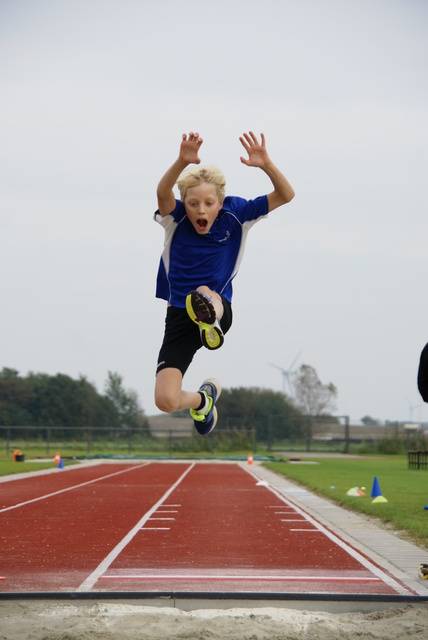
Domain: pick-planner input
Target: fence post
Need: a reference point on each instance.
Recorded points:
(8, 441)
(48, 440)
(346, 434)
(270, 434)
(309, 434)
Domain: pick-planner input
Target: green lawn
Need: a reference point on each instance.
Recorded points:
(406, 490)
(8, 466)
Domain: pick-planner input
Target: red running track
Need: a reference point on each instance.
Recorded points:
(162, 527)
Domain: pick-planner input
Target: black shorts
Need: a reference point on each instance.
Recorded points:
(182, 337)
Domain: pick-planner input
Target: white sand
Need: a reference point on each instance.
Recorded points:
(36, 620)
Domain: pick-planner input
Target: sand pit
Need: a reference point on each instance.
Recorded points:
(116, 621)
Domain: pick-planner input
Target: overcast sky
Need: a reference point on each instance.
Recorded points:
(95, 97)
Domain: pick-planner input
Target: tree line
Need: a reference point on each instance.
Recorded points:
(39, 399)
(268, 412)
(42, 400)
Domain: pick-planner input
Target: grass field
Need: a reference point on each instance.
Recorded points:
(406, 490)
(8, 466)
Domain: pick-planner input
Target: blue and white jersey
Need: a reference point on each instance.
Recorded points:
(190, 259)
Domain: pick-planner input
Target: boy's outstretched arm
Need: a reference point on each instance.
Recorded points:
(258, 157)
(189, 149)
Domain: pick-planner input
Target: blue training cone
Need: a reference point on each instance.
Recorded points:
(61, 464)
(376, 492)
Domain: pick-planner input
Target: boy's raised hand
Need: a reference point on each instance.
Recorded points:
(189, 148)
(257, 152)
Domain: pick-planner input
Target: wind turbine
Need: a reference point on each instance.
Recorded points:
(286, 373)
(412, 407)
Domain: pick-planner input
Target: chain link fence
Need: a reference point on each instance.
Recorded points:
(91, 441)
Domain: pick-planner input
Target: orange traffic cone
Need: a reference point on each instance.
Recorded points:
(250, 459)
(57, 458)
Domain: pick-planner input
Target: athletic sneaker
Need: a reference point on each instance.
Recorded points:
(206, 421)
(201, 310)
(423, 571)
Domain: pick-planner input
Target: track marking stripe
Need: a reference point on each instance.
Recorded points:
(275, 506)
(391, 582)
(292, 520)
(242, 578)
(170, 511)
(76, 486)
(114, 553)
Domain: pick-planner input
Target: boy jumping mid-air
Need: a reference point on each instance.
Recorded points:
(205, 235)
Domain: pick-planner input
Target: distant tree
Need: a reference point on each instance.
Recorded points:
(42, 400)
(61, 401)
(15, 399)
(312, 397)
(262, 409)
(114, 390)
(369, 421)
(126, 402)
(8, 374)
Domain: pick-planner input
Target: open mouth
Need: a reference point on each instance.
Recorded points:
(202, 223)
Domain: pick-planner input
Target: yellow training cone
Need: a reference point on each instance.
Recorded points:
(353, 492)
(380, 499)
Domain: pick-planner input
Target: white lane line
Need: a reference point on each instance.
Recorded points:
(365, 562)
(114, 553)
(76, 486)
(250, 578)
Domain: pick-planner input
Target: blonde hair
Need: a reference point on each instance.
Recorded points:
(195, 176)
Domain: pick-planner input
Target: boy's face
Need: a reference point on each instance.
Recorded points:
(202, 206)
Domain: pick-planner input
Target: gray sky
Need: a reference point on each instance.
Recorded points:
(95, 97)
